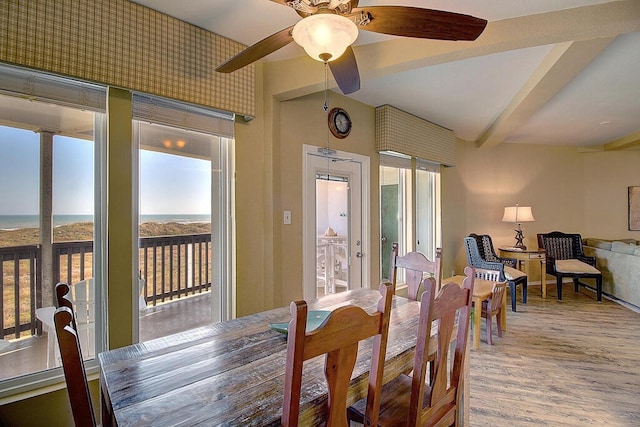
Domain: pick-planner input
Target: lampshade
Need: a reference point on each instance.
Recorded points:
(518, 214)
(325, 36)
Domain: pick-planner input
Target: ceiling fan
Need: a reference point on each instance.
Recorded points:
(346, 19)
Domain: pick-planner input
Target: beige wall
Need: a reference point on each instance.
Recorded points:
(606, 177)
(296, 122)
(49, 409)
(254, 276)
(303, 121)
(568, 190)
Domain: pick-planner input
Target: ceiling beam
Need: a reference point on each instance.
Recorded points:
(301, 76)
(626, 142)
(559, 67)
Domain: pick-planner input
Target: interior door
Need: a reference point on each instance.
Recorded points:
(335, 243)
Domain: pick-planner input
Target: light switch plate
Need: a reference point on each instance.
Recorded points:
(287, 217)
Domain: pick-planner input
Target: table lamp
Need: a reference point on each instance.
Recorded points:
(518, 215)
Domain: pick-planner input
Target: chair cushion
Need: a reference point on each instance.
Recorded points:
(575, 266)
(511, 273)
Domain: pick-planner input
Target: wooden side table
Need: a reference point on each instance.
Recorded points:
(525, 257)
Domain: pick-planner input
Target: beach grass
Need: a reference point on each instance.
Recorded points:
(66, 233)
(84, 231)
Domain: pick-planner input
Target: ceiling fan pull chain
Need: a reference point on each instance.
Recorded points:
(326, 87)
(326, 109)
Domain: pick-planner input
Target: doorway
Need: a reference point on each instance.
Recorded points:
(335, 221)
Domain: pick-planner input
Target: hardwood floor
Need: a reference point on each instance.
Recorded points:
(573, 362)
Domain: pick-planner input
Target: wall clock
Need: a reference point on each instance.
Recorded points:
(339, 123)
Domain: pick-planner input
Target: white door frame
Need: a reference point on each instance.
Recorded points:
(309, 234)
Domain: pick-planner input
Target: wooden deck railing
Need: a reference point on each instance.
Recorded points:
(20, 284)
(182, 261)
(172, 267)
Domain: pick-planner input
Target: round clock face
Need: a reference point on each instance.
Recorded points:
(339, 123)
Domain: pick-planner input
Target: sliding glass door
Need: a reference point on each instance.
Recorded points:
(184, 210)
(409, 207)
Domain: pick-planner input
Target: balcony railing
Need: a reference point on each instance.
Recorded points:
(172, 267)
(20, 282)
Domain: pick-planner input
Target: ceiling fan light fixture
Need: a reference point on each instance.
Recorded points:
(325, 36)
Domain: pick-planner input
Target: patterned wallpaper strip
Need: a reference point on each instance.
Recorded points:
(123, 44)
(407, 134)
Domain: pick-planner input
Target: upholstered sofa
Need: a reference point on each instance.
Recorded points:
(619, 262)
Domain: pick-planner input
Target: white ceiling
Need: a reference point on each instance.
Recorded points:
(569, 77)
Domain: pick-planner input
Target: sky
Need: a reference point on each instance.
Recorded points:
(169, 184)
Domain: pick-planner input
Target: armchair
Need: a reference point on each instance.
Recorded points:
(565, 258)
(480, 254)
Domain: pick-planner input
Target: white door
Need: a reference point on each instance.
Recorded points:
(335, 221)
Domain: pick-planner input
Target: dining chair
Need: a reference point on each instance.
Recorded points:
(492, 276)
(492, 307)
(415, 266)
(73, 367)
(411, 400)
(337, 337)
(565, 258)
(480, 254)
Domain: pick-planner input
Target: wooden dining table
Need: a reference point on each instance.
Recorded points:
(232, 373)
(482, 290)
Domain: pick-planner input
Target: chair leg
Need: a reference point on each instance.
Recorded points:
(499, 323)
(512, 287)
(559, 285)
(524, 292)
(489, 329)
(599, 287)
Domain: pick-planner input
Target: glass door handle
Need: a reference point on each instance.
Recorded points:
(384, 239)
(359, 254)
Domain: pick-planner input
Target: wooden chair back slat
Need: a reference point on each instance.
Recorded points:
(416, 267)
(338, 338)
(73, 367)
(412, 400)
(493, 308)
(450, 310)
(496, 297)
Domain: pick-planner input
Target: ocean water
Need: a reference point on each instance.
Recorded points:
(12, 222)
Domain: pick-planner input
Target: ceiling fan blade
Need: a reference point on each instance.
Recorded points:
(345, 71)
(417, 22)
(259, 50)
